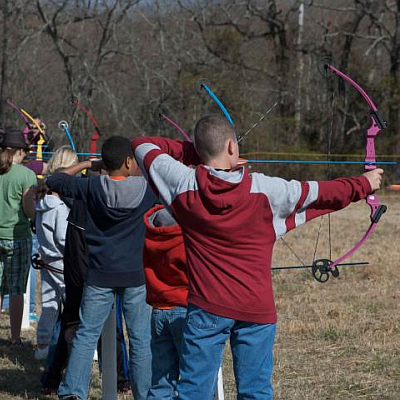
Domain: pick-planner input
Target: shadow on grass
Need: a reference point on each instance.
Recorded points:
(19, 371)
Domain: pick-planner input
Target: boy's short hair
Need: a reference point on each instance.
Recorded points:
(210, 135)
(115, 151)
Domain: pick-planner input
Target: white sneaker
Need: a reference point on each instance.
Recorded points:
(41, 354)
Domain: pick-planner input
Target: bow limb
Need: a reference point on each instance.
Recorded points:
(97, 131)
(218, 102)
(177, 127)
(20, 113)
(63, 125)
(43, 139)
(38, 127)
(377, 124)
(28, 118)
(227, 115)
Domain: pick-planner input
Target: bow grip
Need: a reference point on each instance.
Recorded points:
(376, 216)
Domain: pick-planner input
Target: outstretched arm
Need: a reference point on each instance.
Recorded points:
(94, 165)
(182, 151)
(164, 164)
(293, 202)
(65, 183)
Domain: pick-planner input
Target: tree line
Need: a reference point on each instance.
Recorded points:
(127, 59)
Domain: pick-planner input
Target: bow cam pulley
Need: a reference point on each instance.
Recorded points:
(321, 270)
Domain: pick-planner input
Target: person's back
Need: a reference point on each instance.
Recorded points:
(14, 222)
(230, 220)
(51, 226)
(114, 228)
(229, 230)
(114, 233)
(17, 206)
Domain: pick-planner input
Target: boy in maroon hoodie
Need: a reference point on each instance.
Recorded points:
(230, 220)
(164, 264)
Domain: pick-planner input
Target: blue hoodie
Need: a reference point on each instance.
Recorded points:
(115, 227)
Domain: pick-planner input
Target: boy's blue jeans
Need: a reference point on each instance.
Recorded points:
(204, 338)
(166, 339)
(95, 308)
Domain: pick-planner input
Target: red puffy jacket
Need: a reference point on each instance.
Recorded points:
(164, 262)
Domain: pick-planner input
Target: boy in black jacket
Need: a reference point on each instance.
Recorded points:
(115, 234)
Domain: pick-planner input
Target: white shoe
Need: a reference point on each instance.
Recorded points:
(41, 354)
(95, 356)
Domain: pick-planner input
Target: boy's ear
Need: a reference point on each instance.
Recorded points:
(130, 163)
(231, 146)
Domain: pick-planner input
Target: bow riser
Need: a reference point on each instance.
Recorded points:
(370, 154)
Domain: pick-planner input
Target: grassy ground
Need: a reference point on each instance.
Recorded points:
(339, 340)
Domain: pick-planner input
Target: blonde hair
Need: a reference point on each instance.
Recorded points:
(63, 157)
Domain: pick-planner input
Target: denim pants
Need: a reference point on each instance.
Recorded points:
(166, 339)
(95, 308)
(204, 338)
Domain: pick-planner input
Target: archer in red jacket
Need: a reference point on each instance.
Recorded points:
(164, 262)
(230, 220)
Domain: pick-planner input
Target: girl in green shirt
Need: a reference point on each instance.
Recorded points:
(17, 206)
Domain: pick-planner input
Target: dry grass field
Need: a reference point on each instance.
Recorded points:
(339, 340)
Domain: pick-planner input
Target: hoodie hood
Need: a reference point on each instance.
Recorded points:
(164, 260)
(223, 190)
(49, 202)
(159, 221)
(161, 239)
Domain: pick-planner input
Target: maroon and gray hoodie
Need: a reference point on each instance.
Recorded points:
(231, 220)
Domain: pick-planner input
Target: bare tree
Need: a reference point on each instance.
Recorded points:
(17, 34)
(85, 36)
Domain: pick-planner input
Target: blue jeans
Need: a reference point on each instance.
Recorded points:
(204, 338)
(166, 339)
(95, 308)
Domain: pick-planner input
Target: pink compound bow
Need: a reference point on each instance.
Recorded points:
(323, 267)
